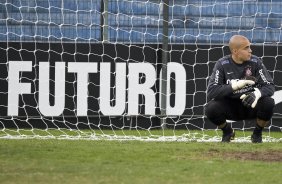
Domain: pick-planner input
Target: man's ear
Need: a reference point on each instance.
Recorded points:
(234, 51)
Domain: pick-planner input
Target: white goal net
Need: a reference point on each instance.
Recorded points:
(85, 69)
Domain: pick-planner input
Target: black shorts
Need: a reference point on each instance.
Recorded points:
(218, 111)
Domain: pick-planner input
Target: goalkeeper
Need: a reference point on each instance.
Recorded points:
(240, 88)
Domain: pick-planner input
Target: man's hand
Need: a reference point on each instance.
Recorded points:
(250, 78)
(239, 84)
(251, 99)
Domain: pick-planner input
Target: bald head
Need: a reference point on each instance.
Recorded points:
(236, 41)
(240, 48)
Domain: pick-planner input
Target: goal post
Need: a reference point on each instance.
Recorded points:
(163, 91)
(126, 70)
(104, 20)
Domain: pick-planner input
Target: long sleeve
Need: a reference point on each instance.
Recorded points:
(265, 81)
(217, 88)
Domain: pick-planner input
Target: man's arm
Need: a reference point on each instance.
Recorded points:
(265, 87)
(216, 87)
(265, 81)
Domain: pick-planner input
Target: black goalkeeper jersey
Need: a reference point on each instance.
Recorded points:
(226, 70)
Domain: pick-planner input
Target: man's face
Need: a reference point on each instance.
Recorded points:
(244, 52)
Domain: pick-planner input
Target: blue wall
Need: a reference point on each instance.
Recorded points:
(140, 21)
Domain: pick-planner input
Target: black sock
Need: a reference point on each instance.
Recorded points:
(258, 130)
(227, 128)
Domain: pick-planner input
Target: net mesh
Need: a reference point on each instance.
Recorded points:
(92, 69)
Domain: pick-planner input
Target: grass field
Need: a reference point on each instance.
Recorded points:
(89, 161)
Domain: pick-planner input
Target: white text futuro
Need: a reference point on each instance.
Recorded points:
(127, 87)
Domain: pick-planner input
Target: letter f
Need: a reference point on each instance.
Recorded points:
(15, 87)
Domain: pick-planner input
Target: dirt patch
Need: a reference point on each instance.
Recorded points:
(264, 156)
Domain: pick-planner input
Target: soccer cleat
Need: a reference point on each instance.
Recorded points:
(256, 138)
(227, 137)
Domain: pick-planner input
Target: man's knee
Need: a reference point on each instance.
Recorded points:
(210, 108)
(266, 108)
(267, 103)
(214, 113)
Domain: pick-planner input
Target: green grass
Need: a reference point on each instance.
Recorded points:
(88, 161)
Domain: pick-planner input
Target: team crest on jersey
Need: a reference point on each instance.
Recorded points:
(248, 71)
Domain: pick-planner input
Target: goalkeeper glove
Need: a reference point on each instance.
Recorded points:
(251, 99)
(239, 84)
(250, 78)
